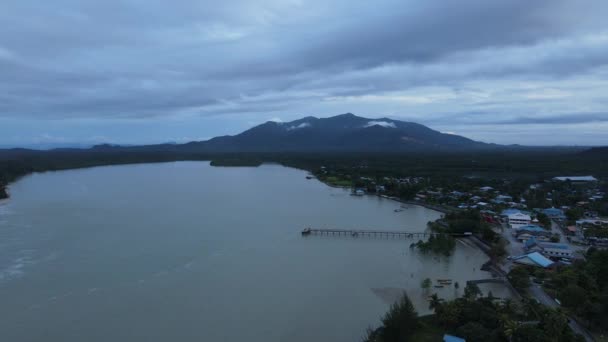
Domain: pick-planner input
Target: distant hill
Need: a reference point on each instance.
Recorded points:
(346, 132)
(601, 151)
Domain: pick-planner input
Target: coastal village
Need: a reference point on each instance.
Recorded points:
(558, 218)
(534, 232)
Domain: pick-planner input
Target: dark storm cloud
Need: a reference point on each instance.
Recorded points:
(141, 59)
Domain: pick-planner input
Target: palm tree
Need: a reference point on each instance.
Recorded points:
(449, 314)
(509, 326)
(553, 322)
(508, 307)
(435, 302)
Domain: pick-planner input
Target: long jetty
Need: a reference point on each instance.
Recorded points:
(373, 233)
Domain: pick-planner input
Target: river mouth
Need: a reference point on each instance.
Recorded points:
(185, 251)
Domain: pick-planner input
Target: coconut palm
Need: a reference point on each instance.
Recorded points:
(509, 326)
(435, 302)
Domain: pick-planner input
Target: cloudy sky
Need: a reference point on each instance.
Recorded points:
(146, 71)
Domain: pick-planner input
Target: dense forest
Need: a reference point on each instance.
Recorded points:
(532, 164)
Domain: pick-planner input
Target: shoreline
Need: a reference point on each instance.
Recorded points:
(437, 208)
(440, 209)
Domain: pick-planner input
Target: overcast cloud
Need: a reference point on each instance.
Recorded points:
(143, 71)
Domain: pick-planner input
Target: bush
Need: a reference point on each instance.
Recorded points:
(519, 278)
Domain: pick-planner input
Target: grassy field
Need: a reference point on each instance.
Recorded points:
(335, 181)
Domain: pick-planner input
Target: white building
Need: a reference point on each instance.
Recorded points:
(517, 220)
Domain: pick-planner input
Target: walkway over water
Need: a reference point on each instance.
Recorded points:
(374, 233)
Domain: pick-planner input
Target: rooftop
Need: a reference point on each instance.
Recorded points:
(450, 338)
(519, 215)
(553, 212)
(531, 228)
(553, 245)
(533, 258)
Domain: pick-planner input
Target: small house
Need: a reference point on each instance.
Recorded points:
(533, 259)
(518, 220)
(554, 213)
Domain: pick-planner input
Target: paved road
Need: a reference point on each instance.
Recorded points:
(555, 229)
(537, 292)
(515, 248)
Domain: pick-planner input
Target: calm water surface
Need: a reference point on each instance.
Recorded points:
(188, 252)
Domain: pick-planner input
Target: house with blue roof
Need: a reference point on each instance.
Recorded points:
(554, 213)
(549, 249)
(527, 233)
(558, 250)
(451, 338)
(533, 259)
(531, 228)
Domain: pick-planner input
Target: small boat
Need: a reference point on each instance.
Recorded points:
(398, 210)
(439, 286)
(442, 280)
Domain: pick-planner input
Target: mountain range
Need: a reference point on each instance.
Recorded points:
(341, 133)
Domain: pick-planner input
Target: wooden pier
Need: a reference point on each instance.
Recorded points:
(398, 234)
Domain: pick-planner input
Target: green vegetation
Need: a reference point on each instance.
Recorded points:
(472, 291)
(598, 232)
(582, 288)
(337, 181)
(573, 214)
(519, 277)
(544, 220)
(448, 170)
(398, 324)
(460, 222)
(438, 244)
(473, 318)
(426, 284)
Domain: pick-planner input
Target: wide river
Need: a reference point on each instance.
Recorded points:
(189, 252)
